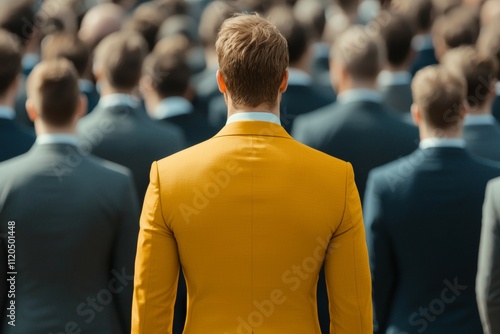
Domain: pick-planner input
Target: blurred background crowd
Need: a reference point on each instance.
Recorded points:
(147, 70)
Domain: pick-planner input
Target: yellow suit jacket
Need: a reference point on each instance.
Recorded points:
(251, 215)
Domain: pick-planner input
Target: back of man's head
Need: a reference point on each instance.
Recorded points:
(253, 58)
(488, 42)
(311, 14)
(458, 27)
(53, 92)
(479, 72)
(293, 31)
(397, 35)
(18, 17)
(420, 14)
(439, 94)
(211, 20)
(10, 60)
(168, 73)
(360, 53)
(101, 21)
(118, 59)
(69, 46)
(146, 20)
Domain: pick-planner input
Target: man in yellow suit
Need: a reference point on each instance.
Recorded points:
(251, 215)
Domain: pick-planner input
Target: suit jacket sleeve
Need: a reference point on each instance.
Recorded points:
(156, 267)
(488, 276)
(381, 258)
(347, 270)
(124, 252)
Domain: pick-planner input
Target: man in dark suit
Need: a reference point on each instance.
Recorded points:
(302, 95)
(15, 139)
(481, 130)
(71, 221)
(357, 128)
(164, 86)
(118, 129)
(488, 271)
(394, 82)
(423, 214)
(488, 43)
(66, 45)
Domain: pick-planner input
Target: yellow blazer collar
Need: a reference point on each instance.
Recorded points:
(256, 128)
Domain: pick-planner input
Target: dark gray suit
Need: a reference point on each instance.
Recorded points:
(483, 138)
(423, 216)
(15, 139)
(488, 274)
(124, 134)
(395, 88)
(76, 225)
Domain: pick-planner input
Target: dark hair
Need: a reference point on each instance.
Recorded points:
(211, 20)
(18, 17)
(169, 73)
(53, 88)
(146, 20)
(10, 60)
(458, 27)
(120, 56)
(311, 14)
(488, 42)
(65, 45)
(397, 35)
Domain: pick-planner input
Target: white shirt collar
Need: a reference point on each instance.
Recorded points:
(7, 112)
(356, 95)
(479, 120)
(497, 86)
(422, 42)
(298, 78)
(441, 142)
(388, 78)
(114, 100)
(254, 116)
(173, 106)
(57, 138)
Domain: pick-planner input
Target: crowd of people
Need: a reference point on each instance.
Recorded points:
(94, 94)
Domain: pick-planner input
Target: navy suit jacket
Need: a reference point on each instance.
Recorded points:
(76, 225)
(397, 97)
(127, 136)
(194, 126)
(362, 132)
(496, 108)
(483, 140)
(15, 139)
(423, 59)
(301, 99)
(423, 221)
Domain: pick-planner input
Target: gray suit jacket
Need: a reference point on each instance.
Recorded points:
(397, 97)
(127, 136)
(76, 225)
(483, 140)
(488, 274)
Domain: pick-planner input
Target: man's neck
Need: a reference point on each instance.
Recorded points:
(45, 129)
(368, 84)
(483, 110)
(231, 109)
(106, 90)
(453, 133)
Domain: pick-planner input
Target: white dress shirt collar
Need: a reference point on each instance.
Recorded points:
(360, 95)
(388, 78)
(479, 120)
(115, 100)
(7, 112)
(442, 142)
(57, 138)
(173, 106)
(298, 78)
(253, 116)
(497, 86)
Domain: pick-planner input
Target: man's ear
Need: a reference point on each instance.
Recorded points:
(221, 83)
(416, 114)
(82, 107)
(97, 71)
(31, 110)
(284, 82)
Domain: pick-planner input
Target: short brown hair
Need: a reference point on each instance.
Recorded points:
(211, 20)
(53, 89)
(478, 71)
(253, 58)
(361, 53)
(18, 18)
(120, 56)
(440, 95)
(295, 33)
(146, 20)
(10, 60)
(69, 46)
(488, 42)
(458, 27)
(397, 35)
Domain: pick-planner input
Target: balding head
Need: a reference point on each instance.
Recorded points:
(490, 11)
(101, 21)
